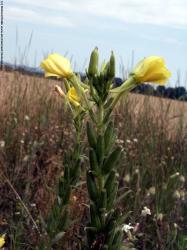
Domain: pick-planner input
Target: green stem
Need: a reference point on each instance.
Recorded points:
(125, 88)
(77, 84)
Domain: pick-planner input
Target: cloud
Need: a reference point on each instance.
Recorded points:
(162, 39)
(27, 15)
(158, 12)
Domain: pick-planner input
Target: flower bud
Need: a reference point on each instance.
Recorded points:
(94, 61)
(111, 68)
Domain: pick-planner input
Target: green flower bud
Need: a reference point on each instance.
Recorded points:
(111, 68)
(94, 61)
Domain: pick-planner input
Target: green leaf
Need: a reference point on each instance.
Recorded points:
(112, 159)
(93, 162)
(92, 188)
(91, 135)
(100, 149)
(58, 237)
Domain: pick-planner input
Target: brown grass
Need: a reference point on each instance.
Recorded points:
(37, 130)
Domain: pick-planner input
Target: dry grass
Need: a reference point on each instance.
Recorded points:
(35, 131)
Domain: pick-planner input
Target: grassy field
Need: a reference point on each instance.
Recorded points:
(36, 130)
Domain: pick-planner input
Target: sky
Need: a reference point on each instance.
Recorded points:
(133, 29)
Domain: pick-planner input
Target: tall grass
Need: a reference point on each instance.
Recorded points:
(35, 131)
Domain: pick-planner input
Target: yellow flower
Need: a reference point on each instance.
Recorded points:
(151, 69)
(73, 97)
(57, 65)
(2, 240)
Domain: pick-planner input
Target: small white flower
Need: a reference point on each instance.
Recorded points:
(22, 141)
(120, 141)
(146, 211)
(127, 227)
(27, 118)
(2, 144)
(128, 141)
(135, 140)
(127, 178)
(33, 205)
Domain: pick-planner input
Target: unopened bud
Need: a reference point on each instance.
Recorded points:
(111, 68)
(94, 61)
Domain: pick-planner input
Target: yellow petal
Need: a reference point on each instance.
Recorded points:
(73, 97)
(151, 69)
(2, 240)
(56, 65)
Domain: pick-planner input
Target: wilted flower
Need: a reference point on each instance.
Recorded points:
(151, 69)
(2, 240)
(59, 90)
(57, 65)
(72, 95)
(146, 211)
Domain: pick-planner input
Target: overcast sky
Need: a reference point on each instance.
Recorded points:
(74, 27)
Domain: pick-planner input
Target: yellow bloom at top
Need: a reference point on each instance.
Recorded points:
(151, 69)
(2, 240)
(73, 97)
(57, 65)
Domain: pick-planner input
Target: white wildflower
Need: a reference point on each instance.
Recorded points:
(127, 178)
(152, 190)
(27, 118)
(146, 211)
(33, 205)
(2, 144)
(127, 227)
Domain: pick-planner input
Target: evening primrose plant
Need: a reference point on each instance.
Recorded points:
(96, 99)
(58, 220)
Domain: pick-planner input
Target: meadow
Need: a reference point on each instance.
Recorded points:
(36, 130)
